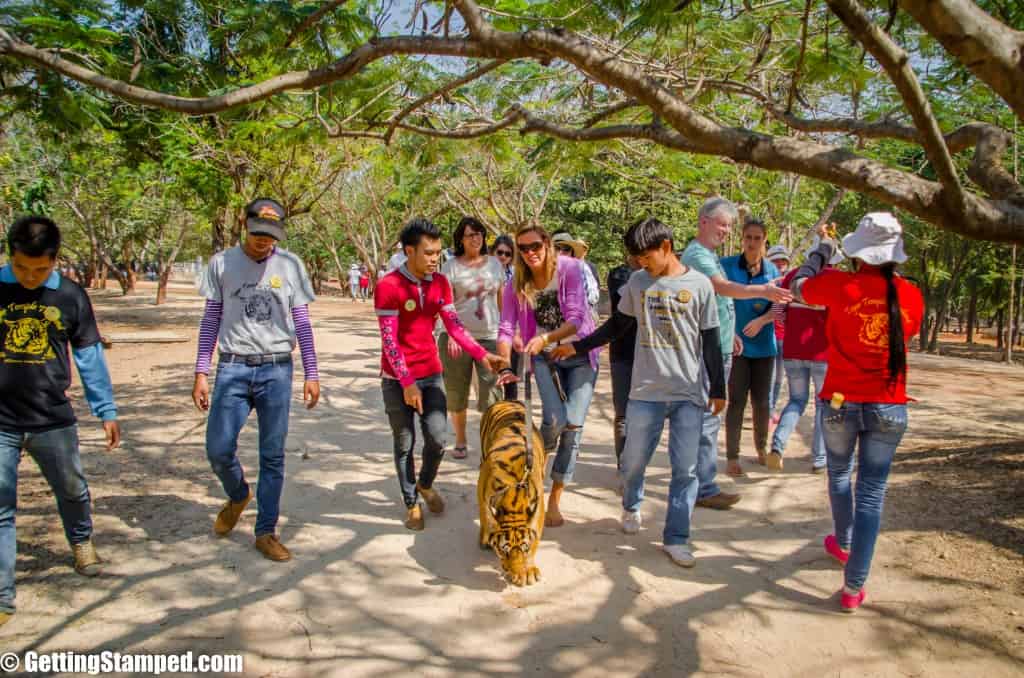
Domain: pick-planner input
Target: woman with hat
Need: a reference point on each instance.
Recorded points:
(872, 312)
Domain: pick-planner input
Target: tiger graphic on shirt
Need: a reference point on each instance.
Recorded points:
(26, 330)
(874, 315)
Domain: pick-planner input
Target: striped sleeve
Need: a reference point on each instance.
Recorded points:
(304, 335)
(209, 328)
(779, 311)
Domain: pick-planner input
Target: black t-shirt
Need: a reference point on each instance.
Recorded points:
(35, 364)
(622, 350)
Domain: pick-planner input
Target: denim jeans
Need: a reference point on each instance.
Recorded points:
(433, 424)
(800, 373)
(707, 449)
(238, 390)
(646, 420)
(778, 376)
(56, 453)
(562, 422)
(622, 382)
(878, 428)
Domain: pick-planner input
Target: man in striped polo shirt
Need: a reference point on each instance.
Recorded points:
(257, 297)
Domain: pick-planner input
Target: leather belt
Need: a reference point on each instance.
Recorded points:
(256, 360)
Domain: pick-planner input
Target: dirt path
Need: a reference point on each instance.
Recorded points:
(366, 597)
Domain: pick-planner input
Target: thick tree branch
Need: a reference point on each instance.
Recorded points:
(477, 72)
(993, 51)
(896, 63)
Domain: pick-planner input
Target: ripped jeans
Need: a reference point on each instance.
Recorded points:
(562, 422)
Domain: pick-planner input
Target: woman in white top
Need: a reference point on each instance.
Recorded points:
(477, 281)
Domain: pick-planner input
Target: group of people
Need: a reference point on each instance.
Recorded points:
(359, 282)
(691, 336)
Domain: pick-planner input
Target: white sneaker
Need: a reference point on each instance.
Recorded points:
(631, 522)
(681, 555)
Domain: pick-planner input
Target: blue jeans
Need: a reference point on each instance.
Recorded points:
(646, 420)
(238, 390)
(707, 449)
(778, 375)
(622, 382)
(800, 373)
(879, 429)
(433, 424)
(562, 422)
(56, 453)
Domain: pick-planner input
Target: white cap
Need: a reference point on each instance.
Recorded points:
(776, 252)
(878, 240)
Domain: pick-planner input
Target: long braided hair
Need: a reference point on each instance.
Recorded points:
(897, 344)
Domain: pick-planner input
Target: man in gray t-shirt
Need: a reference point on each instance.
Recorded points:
(671, 312)
(676, 346)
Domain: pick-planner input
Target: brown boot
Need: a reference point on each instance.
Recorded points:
(87, 561)
(229, 515)
(719, 502)
(272, 548)
(433, 498)
(414, 518)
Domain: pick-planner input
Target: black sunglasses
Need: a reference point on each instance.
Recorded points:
(564, 248)
(531, 247)
(502, 253)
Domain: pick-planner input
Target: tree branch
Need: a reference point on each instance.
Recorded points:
(990, 49)
(896, 63)
(312, 19)
(477, 72)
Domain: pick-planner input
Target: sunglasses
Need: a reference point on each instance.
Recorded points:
(502, 253)
(565, 249)
(531, 247)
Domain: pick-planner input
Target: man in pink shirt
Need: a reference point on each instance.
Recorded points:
(408, 300)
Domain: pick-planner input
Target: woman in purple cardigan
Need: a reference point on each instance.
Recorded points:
(547, 302)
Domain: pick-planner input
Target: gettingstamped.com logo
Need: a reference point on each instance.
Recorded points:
(117, 662)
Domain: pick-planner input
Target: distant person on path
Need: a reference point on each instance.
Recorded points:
(547, 306)
(45, 313)
(396, 260)
(408, 302)
(751, 374)
(872, 313)
(714, 222)
(778, 255)
(677, 349)
(805, 360)
(364, 284)
(476, 280)
(257, 309)
(353, 282)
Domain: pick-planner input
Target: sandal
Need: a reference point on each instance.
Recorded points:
(460, 451)
(734, 470)
(762, 458)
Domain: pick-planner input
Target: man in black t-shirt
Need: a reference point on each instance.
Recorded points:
(41, 314)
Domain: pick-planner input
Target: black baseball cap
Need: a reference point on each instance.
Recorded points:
(264, 216)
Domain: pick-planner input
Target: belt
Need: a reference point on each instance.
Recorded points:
(256, 360)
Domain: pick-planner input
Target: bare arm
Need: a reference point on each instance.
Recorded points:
(728, 288)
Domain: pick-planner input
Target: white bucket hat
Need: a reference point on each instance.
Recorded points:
(878, 240)
(837, 256)
(579, 248)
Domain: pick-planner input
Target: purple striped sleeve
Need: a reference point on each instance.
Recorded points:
(209, 328)
(304, 334)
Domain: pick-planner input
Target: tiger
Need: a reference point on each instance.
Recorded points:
(27, 335)
(511, 495)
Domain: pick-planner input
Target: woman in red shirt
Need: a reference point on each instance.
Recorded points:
(872, 312)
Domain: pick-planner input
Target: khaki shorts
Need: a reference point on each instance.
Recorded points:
(458, 374)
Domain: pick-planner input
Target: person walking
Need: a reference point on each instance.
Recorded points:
(476, 280)
(751, 374)
(48, 320)
(353, 282)
(408, 301)
(778, 255)
(547, 305)
(872, 314)
(805, 360)
(257, 309)
(714, 223)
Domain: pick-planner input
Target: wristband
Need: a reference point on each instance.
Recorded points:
(544, 338)
(503, 370)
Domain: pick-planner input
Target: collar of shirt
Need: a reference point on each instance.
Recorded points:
(7, 276)
(404, 270)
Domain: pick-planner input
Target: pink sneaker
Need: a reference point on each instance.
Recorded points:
(833, 548)
(848, 603)
(775, 420)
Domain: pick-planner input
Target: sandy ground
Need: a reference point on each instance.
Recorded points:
(364, 596)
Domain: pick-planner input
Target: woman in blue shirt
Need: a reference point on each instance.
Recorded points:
(752, 369)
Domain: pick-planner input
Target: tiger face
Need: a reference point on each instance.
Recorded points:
(27, 335)
(510, 492)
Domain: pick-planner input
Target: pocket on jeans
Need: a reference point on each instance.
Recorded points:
(892, 418)
(832, 418)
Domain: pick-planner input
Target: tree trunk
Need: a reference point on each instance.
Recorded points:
(972, 311)
(999, 330)
(102, 277)
(161, 285)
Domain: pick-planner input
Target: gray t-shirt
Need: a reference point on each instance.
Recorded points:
(258, 298)
(670, 312)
